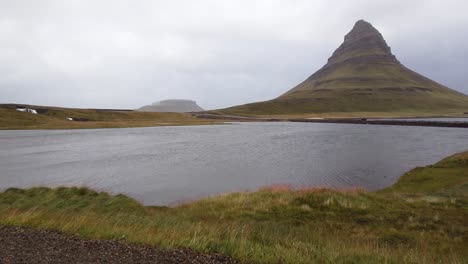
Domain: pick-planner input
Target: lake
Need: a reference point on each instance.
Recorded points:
(168, 165)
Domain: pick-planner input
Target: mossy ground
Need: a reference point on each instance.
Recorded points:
(420, 219)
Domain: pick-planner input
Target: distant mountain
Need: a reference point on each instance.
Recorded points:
(173, 105)
(362, 75)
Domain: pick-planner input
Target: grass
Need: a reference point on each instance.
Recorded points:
(420, 219)
(55, 118)
(348, 102)
(448, 177)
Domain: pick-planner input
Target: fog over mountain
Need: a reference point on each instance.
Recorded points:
(117, 54)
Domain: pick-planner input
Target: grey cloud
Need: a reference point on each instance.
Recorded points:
(125, 54)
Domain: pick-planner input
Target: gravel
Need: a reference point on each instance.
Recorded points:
(28, 245)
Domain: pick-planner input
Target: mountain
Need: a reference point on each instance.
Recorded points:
(362, 76)
(173, 105)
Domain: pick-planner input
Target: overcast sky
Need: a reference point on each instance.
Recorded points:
(125, 54)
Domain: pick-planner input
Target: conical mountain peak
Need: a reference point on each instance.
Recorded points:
(362, 77)
(363, 41)
(361, 28)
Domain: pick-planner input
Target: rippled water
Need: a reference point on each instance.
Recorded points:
(166, 165)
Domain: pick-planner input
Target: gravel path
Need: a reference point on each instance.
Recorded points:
(27, 245)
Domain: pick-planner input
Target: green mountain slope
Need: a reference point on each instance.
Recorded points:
(362, 75)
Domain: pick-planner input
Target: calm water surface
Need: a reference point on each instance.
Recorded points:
(166, 165)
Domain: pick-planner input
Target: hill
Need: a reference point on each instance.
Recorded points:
(363, 77)
(173, 105)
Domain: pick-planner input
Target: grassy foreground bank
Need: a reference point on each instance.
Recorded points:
(420, 219)
(56, 118)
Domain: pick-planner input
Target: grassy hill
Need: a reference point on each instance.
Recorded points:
(56, 118)
(363, 77)
(420, 219)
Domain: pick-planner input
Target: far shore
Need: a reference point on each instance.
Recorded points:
(393, 121)
(45, 117)
(27, 117)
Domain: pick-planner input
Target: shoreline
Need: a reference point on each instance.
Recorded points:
(364, 121)
(399, 121)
